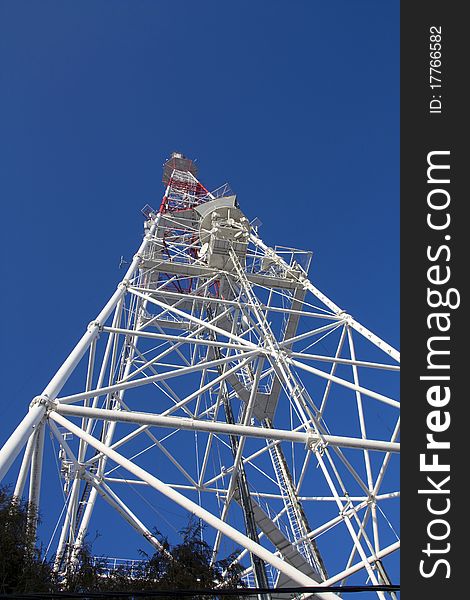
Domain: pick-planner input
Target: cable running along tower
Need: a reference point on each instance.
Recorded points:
(219, 380)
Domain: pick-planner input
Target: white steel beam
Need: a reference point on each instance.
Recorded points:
(16, 441)
(345, 383)
(225, 428)
(36, 470)
(344, 361)
(160, 377)
(25, 465)
(196, 320)
(189, 339)
(113, 500)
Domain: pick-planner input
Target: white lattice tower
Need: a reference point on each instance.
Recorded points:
(220, 377)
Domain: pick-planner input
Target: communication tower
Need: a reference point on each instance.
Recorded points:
(219, 377)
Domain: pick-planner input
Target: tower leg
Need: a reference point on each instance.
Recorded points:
(25, 466)
(18, 438)
(35, 478)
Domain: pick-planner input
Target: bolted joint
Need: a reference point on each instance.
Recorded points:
(82, 473)
(43, 401)
(346, 317)
(344, 511)
(125, 283)
(315, 443)
(94, 325)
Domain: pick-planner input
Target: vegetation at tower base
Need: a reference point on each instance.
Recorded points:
(22, 568)
(184, 566)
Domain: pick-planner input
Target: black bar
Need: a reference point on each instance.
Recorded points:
(209, 592)
(434, 42)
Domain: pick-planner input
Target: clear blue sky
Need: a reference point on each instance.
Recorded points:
(296, 104)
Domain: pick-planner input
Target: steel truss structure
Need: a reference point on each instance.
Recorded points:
(220, 377)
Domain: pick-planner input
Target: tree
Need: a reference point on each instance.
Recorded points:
(22, 568)
(184, 566)
(188, 565)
